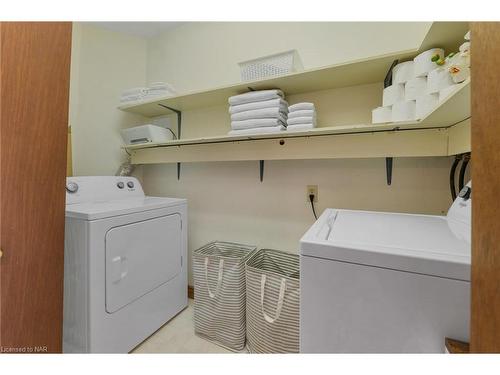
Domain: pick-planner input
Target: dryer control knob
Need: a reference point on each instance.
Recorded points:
(465, 193)
(71, 187)
(120, 185)
(130, 184)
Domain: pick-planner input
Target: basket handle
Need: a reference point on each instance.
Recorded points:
(280, 299)
(219, 277)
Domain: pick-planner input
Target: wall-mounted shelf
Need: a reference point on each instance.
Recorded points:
(363, 71)
(427, 137)
(445, 131)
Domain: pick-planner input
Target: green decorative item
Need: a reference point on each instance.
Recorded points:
(438, 59)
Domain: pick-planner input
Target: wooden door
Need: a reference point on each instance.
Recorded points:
(485, 289)
(34, 94)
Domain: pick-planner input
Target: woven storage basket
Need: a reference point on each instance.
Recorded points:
(273, 296)
(219, 293)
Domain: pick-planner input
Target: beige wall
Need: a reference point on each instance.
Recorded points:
(226, 200)
(206, 54)
(103, 64)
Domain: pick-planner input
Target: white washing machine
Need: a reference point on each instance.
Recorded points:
(125, 264)
(374, 282)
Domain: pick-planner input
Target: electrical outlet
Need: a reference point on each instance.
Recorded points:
(312, 189)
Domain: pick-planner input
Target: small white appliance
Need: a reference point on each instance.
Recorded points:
(146, 134)
(124, 264)
(374, 282)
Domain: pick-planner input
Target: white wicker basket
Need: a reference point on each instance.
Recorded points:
(270, 66)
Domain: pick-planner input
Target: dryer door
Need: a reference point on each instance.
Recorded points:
(140, 257)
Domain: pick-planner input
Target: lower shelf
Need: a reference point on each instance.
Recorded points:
(394, 143)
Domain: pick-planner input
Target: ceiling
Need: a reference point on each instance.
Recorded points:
(140, 29)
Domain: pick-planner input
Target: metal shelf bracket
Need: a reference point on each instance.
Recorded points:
(388, 170)
(179, 128)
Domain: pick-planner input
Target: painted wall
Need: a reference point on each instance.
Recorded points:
(226, 200)
(203, 55)
(104, 63)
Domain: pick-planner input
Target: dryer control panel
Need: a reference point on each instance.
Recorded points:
(101, 188)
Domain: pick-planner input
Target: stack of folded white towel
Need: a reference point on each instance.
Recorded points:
(258, 112)
(156, 89)
(301, 116)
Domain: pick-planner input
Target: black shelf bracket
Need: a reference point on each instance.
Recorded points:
(179, 128)
(261, 170)
(388, 170)
(388, 161)
(388, 76)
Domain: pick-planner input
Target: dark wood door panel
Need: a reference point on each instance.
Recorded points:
(485, 290)
(35, 62)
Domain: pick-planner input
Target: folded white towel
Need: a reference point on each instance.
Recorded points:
(131, 98)
(301, 120)
(302, 113)
(278, 102)
(158, 93)
(259, 113)
(255, 96)
(299, 128)
(134, 91)
(262, 130)
(161, 85)
(257, 123)
(300, 106)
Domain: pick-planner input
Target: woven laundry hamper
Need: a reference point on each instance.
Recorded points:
(273, 296)
(219, 293)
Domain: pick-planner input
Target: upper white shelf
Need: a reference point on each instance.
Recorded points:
(364, 71)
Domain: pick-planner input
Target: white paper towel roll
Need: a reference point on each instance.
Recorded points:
(381, 115)
(415, 87)
(423, 63)
(404, 110)
(426, 104)
(393, 94)
(402, 72)
(444, 93)
(438, 79)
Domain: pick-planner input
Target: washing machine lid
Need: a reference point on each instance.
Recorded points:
(415, 243)
(106, 209)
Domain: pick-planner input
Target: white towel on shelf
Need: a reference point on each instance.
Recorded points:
(157, 94)
(302, 120)
(272, 103)
(302, 113)
(131, 98)
(300, 127)
(257, 123)
(259, 113)
(162, 86)
(134, 91)
(255, 96)
(300, 106)
(262, 130)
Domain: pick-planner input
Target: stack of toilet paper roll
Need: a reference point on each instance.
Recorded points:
(418, 86)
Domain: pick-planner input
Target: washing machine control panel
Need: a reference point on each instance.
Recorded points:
(465, 193)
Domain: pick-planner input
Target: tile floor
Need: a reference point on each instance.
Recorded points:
(177, 336)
